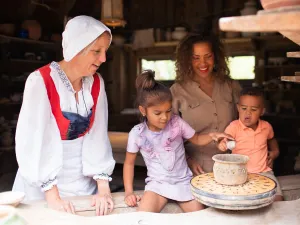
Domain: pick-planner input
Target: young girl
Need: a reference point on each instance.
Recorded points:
(160, 140)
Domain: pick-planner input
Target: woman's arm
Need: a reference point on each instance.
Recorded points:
(39, 149)
(97, 157)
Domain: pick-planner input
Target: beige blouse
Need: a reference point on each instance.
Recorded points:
(206, 114)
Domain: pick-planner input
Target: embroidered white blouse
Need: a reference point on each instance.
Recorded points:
(39, 146)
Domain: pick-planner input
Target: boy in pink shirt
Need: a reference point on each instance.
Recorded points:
(254, 137)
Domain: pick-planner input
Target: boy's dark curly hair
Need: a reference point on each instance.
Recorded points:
(252, 91)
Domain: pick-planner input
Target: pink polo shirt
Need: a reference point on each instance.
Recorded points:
(252, 143)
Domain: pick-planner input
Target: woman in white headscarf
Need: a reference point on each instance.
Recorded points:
(62, 144)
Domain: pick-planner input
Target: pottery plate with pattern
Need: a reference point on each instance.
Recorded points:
(257, 192)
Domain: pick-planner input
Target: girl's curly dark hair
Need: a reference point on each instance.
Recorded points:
(184, 54)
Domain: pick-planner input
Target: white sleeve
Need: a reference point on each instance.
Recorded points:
(38, 142)
(97, 158)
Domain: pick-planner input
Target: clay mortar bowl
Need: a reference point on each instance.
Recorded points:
(230, 169)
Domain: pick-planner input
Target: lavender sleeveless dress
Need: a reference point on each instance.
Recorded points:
(164, 155)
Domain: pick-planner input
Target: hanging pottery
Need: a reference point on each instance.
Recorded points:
(249, 9)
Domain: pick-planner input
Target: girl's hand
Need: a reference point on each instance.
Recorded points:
(194, 167)
(61, 205)
(103, 204)
(132, 199)
(216, 136)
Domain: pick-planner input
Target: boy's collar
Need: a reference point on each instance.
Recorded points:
(258, 129)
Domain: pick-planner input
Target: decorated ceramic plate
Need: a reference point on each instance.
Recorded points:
(11, 198)
(257, 192)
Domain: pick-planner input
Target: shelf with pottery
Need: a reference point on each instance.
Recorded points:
(10, 39)
(293, 54)
(20, 65)
(6, 149)
(11, 104)
(278, 67)
(283, 116)
(264, 22)
(285, 20)
(226, 41)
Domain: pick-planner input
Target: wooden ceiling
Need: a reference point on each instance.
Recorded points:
(139, 14)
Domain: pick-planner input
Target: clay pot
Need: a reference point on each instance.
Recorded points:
(230, 169)
(179, 33)
(118, 40)
(275, 4)
(34, 29)
(8, 215)
(249, 9)
(56, 38)
(7, 29)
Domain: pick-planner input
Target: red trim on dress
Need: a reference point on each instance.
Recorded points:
(62, 122)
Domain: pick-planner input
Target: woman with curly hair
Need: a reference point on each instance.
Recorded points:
(203, 94)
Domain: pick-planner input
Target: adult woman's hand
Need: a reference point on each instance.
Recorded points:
(55, 202)
(103, 204)
(194, 167)
(103, 200)
(61, 205)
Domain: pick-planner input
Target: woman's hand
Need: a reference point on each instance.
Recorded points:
(132, 199)
(55, 202)
(103, 204)
(61, 205)
(194, 167)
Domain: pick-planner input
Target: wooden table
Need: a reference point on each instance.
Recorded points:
(278, 213)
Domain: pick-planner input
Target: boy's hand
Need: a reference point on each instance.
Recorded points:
(132, 199)
(222, 145)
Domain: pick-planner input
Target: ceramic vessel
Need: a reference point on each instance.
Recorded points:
(232, 34)
(7, 29)
(118, 40)
(249, 9)
(275, 4)
(8, 216)
(168, 34)
(179, 33)
(258, 192)
(12, 198)
(230, 169)
(34, 29)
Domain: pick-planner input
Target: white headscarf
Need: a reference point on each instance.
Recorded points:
(79, 33)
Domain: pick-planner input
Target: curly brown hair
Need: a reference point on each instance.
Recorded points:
(184, 54)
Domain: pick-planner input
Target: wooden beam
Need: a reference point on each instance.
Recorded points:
(284, 21)
(293, 54)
